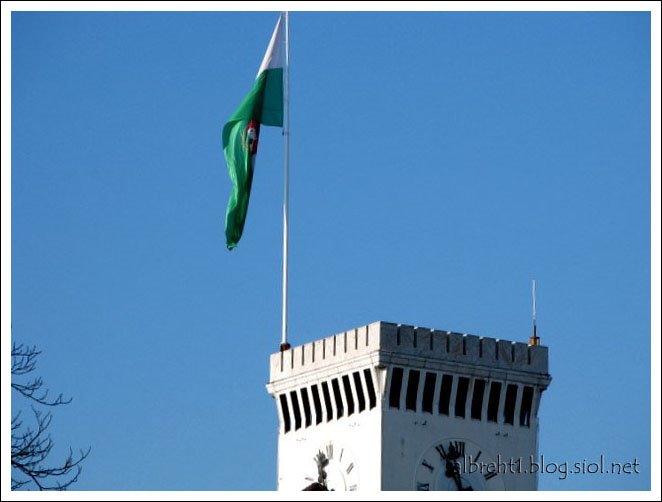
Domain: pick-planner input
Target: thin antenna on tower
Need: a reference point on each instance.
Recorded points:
(534, 340)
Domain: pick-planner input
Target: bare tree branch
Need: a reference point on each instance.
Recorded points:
(32, 446)
(24, 361)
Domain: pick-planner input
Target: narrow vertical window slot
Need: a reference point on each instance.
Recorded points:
(340, 410)
(296, 410)
(461, 396)
(509, 407)
(445, 394)
(493, 402)
(360, 396)
(285, 410)
(477, 399)
(372, 395)
(348, 394)
(317, 403)
(412, 389)
(396, 385)
(428, 391)
(307, 413)
(525, 409)
(327, 401)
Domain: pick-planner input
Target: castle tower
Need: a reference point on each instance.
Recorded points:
(397, 407)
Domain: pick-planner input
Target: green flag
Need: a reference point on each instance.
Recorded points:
(262, 105)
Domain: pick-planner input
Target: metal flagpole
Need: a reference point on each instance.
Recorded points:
(286, 133)
(534, 339)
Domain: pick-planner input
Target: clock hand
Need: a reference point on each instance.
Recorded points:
(457, 478)
(450, 469)
(453, 471)
(460, 486)
(321, 462)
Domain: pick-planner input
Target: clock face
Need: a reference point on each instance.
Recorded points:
(336, 469)
(456, 464)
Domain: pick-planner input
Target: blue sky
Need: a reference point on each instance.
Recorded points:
(439, 162)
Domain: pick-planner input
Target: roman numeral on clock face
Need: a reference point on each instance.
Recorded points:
(349, 468)
(425, 464)
(455, 450)
(329, 451)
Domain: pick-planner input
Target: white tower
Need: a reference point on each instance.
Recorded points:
(396, 407)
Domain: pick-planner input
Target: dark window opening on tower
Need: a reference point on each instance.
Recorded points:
(509, 408)
(428, 391)
(317, 404)
(285, 410)
(493, 403)
(445, 394)
(360, 396)
(525, 410)
(327, 401)
(477, 399)
(396, 385)
(306, 407)
(348, 394)
(372, 396)
(461, 396)
(296, 410)
(340, 410)
(412, 389)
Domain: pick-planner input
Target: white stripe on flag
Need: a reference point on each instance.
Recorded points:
(273, 58)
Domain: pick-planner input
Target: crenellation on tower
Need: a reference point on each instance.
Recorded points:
(407, 340)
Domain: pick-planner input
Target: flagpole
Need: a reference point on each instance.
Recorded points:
(534, 339)
(286, 189)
